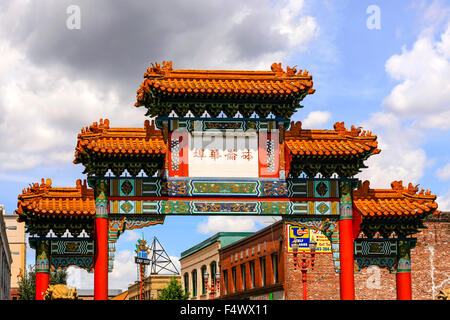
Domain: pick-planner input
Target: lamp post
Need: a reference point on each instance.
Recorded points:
(305, 262)
(212, 288)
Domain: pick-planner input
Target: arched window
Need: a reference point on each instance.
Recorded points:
(186, 282)
(194, 283)
(203, 271)
(213, 268)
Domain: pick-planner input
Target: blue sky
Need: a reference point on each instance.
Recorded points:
(394, 81)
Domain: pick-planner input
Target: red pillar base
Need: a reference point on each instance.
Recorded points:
(346, 257)
(101, 260)
(404, 290)
(42, 282)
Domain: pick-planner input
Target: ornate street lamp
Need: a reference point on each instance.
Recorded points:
(305, 262)
(212, 288)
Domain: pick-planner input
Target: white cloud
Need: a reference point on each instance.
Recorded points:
(298, 31)
(226, 224)
(444, 202)
(444, 172)
(421, 100)
(131, 235)
(42, 111)
(316, 119)
(124, 273)
(176, 262)
(79, 278)
(49, 88)
(234, 223)
(401, 157)
(423, 93)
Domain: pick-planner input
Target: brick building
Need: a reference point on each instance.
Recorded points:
(5, 260)
(253, 267)
(152, 286)
(17, 243)
(260, 267)
(204, 258)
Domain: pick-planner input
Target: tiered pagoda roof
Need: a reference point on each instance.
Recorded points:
(328, 151)
(130, 148)
(339, 149)
(330, 143)
(397, 201)
(43, 199)
(277, 91)
(399, 209)
(58, 208)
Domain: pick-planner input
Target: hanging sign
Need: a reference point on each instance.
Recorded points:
(234, 154)
(305, 236)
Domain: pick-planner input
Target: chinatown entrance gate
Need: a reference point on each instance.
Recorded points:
(221, 143)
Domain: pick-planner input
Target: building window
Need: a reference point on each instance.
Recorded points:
(244, 282)
(203, 271)
(233, 275)
(186, 282)
(225, 281)
(252, 273)
(213, 268)
(194, 283)
(275, 267)
(262, 263)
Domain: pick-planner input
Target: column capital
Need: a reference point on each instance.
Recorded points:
(101, 198)
(42, 264)
(404, 254)
(346, 187)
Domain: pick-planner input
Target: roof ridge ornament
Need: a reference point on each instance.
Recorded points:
(411, 190)
(397, 186)
(165, 69)
(96, 127)
(290, 72)
(363, 188)
(82, 187)
(150, 129)
(295, 129)
(353, 132)
(36, 188)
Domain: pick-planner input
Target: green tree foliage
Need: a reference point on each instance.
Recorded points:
(174, 291)
(27, 282)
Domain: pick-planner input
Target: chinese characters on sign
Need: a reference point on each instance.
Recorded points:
(219, 155)
(229, 154)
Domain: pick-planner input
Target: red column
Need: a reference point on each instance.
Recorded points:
(42, 282)
(403, 276)
(101, 241)
(346, 257)
(404, 291)
(101, 259)
(42, 268)
(347, 282)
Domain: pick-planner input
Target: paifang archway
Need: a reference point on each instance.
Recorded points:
(221, 142)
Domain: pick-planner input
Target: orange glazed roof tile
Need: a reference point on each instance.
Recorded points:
(337, 142)
(103, 140)
(100, 139)
(43, 199)
(204, 82)
(397, 201)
